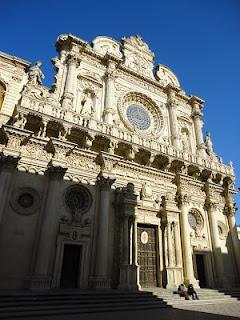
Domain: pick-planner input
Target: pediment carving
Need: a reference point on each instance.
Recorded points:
(137, 55)
(106, 45)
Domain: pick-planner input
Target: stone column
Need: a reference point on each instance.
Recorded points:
(186, 247)
(109, 96)
(172, 107)
(234, 237)
(212, 217)
(177, 244)
(48, 235)
(170, 246)
(67, 101)
(164, 260)
(125, 261)
(7, 167)
(134, 268)
(125, 241)
(101, 279)
(198, 123)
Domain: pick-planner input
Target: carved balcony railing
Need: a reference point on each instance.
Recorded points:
(53, 111)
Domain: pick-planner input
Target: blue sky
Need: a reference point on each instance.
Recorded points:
(198, 40)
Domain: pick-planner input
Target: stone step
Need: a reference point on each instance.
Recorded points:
(40, 312)
(73, 301)
(35, 304)
(206, 296)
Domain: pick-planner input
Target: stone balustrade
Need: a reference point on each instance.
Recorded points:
(54, 112)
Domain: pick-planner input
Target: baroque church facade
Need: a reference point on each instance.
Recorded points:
(106, 180)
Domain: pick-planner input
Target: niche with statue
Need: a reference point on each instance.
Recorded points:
(88, 103)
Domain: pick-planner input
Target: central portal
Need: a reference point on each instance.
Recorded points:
(201, 270)
(147, 255)
(70, 266)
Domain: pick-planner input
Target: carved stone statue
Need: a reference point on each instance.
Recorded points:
(87, 105)
(35, 74)
(208, 143)
(185, 141)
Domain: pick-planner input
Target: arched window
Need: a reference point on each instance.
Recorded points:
(2, 94)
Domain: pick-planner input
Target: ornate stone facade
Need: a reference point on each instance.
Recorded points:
(105, 178)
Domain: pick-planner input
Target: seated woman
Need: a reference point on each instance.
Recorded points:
(182, 291)
(191, 292)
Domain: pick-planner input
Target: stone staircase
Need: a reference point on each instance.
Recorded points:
(206, 296)
(29, 304)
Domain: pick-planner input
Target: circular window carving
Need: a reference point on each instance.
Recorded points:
(138, 117)
(192, 220)
(222, 231)
(78, 199)
(139, 113)
(25, 201)
(195, 221)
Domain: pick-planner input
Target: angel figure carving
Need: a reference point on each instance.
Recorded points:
(35, 74)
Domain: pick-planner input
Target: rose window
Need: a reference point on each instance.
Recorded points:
(138, 117)
(196, 221)
(78, 199)
(192, 221)
(25, 200)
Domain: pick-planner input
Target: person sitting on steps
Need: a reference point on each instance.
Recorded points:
(182, 291)
(191, 292)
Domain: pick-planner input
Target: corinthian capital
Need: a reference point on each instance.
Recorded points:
(56, 172)
(104, 183)
(210, 205)
(186, 198)
(230, 210)
(72, 59)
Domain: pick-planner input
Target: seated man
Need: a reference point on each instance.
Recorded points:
(191, 292)
(182, 291)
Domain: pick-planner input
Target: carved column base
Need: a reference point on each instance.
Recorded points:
(192, 281)
(129, 278)
(108, 116)
(174, 277)
(100, 282)
(40, 282)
